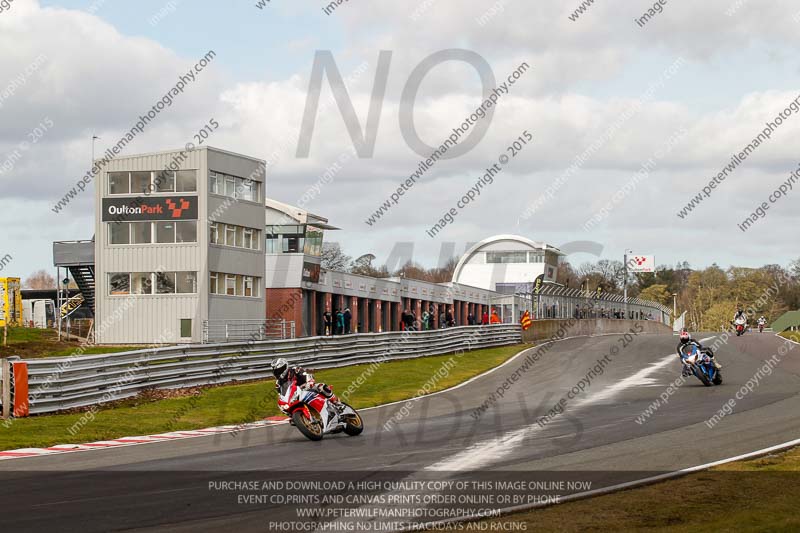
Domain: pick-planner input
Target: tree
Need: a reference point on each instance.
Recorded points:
(657, 293)
(40, 280)
(333, 258)
(363, 266)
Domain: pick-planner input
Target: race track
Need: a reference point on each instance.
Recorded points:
(596, 442)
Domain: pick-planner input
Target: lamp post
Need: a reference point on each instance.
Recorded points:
(625, 281)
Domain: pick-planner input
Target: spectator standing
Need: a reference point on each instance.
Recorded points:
(339, 329)
(485, 318)
(348, 320)
(449, 318)
(327, 323)
(495, 318)
(442, 320)
(426, 320)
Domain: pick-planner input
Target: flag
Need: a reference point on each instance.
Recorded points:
(526, 321)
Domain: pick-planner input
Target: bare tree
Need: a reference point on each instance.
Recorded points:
(40, 280)
(333, 258)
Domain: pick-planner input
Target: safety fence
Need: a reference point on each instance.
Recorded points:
(221, 330)
(65, 383)
(558, 302)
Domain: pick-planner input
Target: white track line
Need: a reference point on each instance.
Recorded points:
(493, 450)
(630, 484)
(27, 453)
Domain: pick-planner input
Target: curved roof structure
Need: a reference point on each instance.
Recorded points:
(499, 243)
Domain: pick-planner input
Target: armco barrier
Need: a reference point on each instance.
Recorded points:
(546, 329)
(80, 381)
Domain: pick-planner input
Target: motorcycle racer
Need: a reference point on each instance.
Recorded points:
(283, 373)
(686, 340)
(761, 323)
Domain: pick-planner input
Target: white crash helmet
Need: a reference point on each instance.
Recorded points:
(280, 367)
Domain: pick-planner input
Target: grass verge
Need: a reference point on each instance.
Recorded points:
(236, 404)
(756, 495)
(792, 335)
(33, 343)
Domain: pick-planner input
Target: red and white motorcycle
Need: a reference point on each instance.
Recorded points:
(741, 325)
(314, 414)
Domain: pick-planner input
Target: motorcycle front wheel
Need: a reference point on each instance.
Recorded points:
(311, 428)
(353, 425)
(702, 377)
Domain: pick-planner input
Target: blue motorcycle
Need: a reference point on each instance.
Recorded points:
(702, 364)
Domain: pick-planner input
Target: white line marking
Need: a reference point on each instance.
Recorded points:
(484, 453)
(629, 484)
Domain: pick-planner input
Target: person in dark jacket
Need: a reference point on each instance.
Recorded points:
(348, 319)
(327, 323)
(449, 318)
(408, 320)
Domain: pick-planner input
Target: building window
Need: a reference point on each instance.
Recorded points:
(213, 283)
(119, 233)
(186, 180)
(123, 283)
(186, 282)
(141, 283)
(165, 181)
(272, 243)
(234, 285)
(159, 232)
(165, 232)
(119, 284)
(233, 187)
(230, 235)
(506, 257)
(186, 231)
(186, 328)
(140, 182)
(119, 183)
(165, 282)
(141, 232)
(235, 236)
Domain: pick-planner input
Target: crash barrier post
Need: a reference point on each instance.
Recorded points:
(19, 401)
(5, 388)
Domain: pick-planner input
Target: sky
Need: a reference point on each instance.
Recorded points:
(628, 123)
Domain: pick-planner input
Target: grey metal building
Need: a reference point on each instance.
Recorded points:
(178, 242)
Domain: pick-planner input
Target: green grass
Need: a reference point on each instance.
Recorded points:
(756, 495)
(33, 343)
(793, 335)
(234, 404)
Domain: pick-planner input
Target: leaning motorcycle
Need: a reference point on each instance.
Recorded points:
(313, 414)
(702, 365)
(740, 324)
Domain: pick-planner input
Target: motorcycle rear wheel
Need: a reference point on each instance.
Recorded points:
(353, 425)
(312, 429)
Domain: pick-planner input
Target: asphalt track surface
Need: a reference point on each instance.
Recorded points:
(179, 485)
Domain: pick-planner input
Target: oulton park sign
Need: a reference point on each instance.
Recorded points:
(150, 208)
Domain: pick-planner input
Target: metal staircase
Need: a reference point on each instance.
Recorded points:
(84, 278)
(78, 258)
